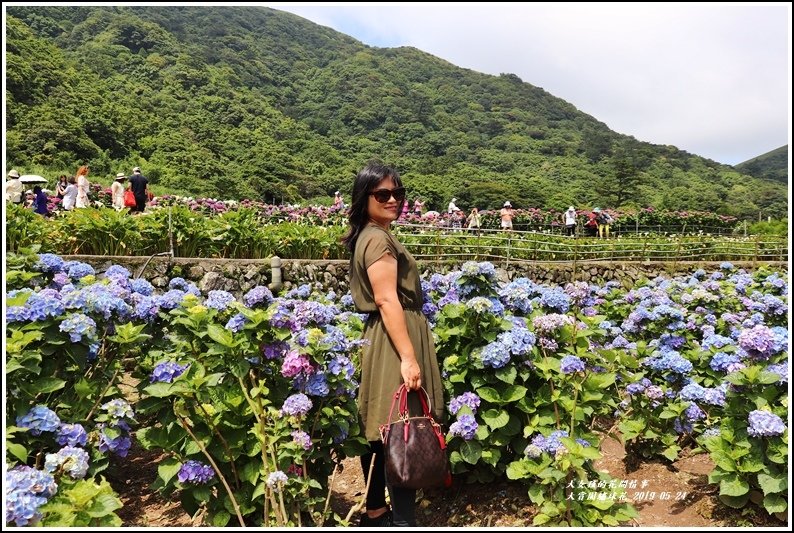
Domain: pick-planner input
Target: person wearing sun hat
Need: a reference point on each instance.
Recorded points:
(14, 187)
(569, 218)
(506, 214)
(117, 191)
(339, 202)
(140, 188)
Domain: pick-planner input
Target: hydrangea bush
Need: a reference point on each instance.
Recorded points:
(254, 399)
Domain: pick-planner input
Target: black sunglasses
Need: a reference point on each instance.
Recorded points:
(383, 195)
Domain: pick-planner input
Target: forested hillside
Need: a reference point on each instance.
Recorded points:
(772, 165)
(249, 102)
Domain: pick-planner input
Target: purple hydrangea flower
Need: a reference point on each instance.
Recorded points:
(296, 405)
(275, 350)
(465, 427)
(258, 295)
(71, 434)
(195, 472)
(302, 438)
(467, 398)
(120, 445)
(166, 372)
(571, 364)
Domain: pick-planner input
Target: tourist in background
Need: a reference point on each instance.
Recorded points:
(474, 219)
(70, 194)
(569, 219)
(117, 191)
(14, 188)
(40, 200)
(506, 215)
(140, 188)
(60, 188)
(83, 187)
(604, 220)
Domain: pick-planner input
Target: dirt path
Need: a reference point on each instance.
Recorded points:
(691, 503)
(673, 495)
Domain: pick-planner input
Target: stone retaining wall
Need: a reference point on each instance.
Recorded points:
(239, 275)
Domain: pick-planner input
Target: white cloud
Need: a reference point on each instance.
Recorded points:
(714, 80)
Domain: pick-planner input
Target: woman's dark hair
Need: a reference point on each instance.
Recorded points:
(37, 189)
(366, 180)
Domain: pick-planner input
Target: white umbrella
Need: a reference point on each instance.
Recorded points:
(32, 178)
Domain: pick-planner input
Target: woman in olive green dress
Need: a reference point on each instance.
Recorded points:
(384, 282)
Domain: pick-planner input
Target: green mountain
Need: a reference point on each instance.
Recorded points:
(239, 102)
(771, 165)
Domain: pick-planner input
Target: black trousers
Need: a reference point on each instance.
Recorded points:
(403, 501)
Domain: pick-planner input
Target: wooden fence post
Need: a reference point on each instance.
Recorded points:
(575, 255)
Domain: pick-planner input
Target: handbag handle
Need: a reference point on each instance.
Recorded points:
(401, 397)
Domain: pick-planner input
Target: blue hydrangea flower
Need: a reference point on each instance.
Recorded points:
(550, 444)
(117, 271)
(764, 424)
(721, 361)
(27, 489)
(71, 434)
(236, 323)
(694, 413)
(78, 325)
(341, 365)
(141, 286)
(495, 355)
(49, 263)
(73, 461)
(346, 301)
(317, 385)
(301, 292)
(40, 419)
(571, 364)
(77, 270)
(17, 313)
(219, 300)
(179, 283)
(781, 369)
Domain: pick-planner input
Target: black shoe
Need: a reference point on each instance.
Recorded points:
(384, 520)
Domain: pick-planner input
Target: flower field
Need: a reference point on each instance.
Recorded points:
(252, 400)
(249, 231)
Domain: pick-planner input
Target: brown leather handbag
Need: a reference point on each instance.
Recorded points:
(415, 449)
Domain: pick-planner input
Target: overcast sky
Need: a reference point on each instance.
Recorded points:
(714, 80)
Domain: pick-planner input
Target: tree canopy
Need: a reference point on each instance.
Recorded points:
(251, 102)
